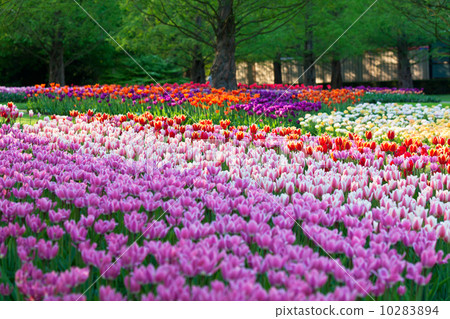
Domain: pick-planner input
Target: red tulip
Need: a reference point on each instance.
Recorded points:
(384, 146)
(73, 113)
(435, 140)
(348, 145)
(362, 161)
(158, 125)
(442, 159)
(392, 147)
(391, 135)
(408, 142)
(291, 146)
(433, 152)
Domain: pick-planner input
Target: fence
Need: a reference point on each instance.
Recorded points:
(372, 66)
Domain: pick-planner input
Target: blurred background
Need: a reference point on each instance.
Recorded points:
(395, 43)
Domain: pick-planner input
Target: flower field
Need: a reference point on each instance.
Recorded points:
(183, 192)
(280, 105)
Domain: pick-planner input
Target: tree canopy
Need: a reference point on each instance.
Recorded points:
(187, 40)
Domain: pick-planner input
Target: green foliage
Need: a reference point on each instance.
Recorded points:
(144, 35)
(386, 25)
(17, 66)
(327, 21)
(40, 30)
(430, 16)
(332, 21)
(179, 32)
(126, 71)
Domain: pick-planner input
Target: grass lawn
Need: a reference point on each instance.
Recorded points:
(26, 119)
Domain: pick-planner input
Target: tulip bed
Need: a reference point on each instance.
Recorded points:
(277, 104)
(146, 207)
(199, 101)
(14, 94)
(416, 121)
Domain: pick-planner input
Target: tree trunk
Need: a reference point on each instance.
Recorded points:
(278, 77)
(56, 64)
(251, 73)
(308, 59)
(403, 65)
(336, 73)
(223, 70)
(56, 72)
(197, 72)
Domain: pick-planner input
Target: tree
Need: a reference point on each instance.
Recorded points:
(308, 51)
(301, 38)
(274, 46)
(310, 35)
(57, 33)
(432, 16)
(392, 30)
(227, 24)
(333, 21)
(166, 41)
